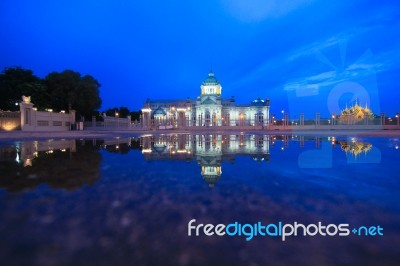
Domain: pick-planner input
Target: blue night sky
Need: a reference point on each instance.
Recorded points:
(303, 55)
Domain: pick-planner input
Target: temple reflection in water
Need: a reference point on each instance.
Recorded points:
(209, 150)
(354, 147)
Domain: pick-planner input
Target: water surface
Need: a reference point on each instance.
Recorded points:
(129, 200)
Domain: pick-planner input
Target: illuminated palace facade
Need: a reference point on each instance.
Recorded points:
(209, 110)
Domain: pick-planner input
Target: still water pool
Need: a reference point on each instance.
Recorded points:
(128, 200)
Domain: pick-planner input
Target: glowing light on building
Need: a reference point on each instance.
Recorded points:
(355, 147)
(355, 114)
(208, 109)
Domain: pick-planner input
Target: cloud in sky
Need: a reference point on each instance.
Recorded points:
(256, 10)
(310, 76)
(367, 64)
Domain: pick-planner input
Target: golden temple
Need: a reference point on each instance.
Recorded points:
(355, 113)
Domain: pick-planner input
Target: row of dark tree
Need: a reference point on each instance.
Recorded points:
(123, 112)
(58, 91)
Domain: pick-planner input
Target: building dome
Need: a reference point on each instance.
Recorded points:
(211, 79)
(211, 85)
(159, 112)
(258, 102)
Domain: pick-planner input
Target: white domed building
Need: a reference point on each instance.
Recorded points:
(208, 110)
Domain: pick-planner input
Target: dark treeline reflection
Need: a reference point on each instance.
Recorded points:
(118, 145)
(64, 164)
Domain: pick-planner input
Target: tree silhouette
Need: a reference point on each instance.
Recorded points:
(59, 91)
(69, 89)
(15, 82)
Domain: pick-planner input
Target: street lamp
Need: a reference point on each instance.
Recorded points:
(398, 117)
(116, 115)
(283, 116)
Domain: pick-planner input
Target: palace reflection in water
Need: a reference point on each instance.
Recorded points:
(208, 150)
(69, 163)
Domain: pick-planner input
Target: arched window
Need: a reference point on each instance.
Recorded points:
(226, 119)
(259, 118)
(200, 120)
(214, 119)
(208, 118)
(207, 141)
(242, 119)
(259, 142)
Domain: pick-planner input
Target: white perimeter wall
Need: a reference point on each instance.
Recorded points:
(32, 120)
